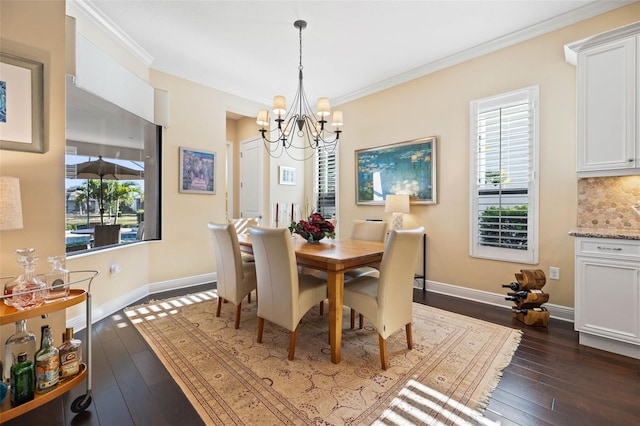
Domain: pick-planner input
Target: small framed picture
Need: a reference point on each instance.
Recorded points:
(197, 171)
(287, 175)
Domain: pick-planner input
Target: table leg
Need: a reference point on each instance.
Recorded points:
(335, 282)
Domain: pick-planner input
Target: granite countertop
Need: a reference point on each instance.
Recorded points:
(620, 234)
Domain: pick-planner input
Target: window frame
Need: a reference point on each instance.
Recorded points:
(530, 255)
(316, 178)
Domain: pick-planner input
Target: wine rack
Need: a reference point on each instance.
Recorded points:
(528, 297)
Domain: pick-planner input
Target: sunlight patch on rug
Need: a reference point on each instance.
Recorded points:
(230, 379)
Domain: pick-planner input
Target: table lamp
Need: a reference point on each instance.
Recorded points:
(397, 204)
(10, 204)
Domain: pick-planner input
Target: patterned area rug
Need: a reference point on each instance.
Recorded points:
(230, 379)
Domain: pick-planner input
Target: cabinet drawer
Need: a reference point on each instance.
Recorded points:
(608, 247)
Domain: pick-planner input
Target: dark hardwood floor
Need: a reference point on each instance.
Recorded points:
(552, 380)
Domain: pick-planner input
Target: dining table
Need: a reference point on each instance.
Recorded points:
(334, 257)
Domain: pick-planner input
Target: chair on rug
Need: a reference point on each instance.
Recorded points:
(236, 279)
(367, 231)
(285, 294)
(387, 300)
(242, 227)
(106, 235)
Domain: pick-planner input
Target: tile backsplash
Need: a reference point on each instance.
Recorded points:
(605, 202)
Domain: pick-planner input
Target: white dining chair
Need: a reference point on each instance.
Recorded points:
(365, 230)
(285, 294)
(236, 279)
(387, 300)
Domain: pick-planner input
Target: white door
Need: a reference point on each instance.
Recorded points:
(250, 178)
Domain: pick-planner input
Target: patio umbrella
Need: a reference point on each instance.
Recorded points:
(101, 169)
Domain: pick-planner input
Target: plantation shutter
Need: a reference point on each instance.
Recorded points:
(503, 176)
(326, 182)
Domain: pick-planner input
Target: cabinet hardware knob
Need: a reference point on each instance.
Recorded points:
(609, 248)
(630, 160)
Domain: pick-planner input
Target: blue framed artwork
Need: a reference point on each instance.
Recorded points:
(197, 171)
(400, 168)
(21, 103)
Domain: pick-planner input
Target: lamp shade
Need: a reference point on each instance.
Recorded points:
(396, 203)
(10, 203)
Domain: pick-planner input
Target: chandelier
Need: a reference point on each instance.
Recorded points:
(299, 131)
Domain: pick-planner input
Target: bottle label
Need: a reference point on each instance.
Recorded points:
(47, 373)
(69, 364)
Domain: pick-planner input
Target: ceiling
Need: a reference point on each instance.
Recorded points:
(350, 48)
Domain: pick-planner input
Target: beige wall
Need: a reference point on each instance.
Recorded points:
(35, 30)
(438, 104)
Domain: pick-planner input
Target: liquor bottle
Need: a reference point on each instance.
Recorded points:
(30, 292)
(47, 362)
(21, 380)
(21, 341)
(513, 286)
(70, 355)
(57, 278)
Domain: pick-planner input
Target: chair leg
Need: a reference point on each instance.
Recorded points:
(238, 310)
(292, 344)
(360, 321)
(322, 308)
(383, 353)
(260, 329)
(409, 336)
(219, 306)
(353, 319)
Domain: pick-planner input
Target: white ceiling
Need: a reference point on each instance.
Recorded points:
(350, 48)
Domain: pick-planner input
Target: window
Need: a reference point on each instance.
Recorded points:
(325, 182)
(503, 170)
(103, 139)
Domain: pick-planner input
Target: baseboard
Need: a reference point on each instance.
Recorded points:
(563, 313)
(79, 322)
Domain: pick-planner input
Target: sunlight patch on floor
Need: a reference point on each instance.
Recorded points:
(417, 403)
(157, 310)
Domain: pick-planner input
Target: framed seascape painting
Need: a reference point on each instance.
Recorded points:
(400, 168)
(21, 103)
(197, 171)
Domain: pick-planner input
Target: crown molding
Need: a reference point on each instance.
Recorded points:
(588, 11)
(114, 31)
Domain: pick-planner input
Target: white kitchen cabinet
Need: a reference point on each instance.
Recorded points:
(607, 294)
(608, 121)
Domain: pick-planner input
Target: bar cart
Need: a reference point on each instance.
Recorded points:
(9, 315)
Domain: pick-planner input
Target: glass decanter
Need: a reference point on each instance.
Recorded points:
(57, 278)
(31, 291)
(10, 285)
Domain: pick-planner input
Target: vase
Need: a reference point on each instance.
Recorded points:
(312, 238)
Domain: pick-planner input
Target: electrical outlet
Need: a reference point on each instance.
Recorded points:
(554, 273)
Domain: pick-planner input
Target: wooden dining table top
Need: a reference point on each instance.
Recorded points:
(335, 257)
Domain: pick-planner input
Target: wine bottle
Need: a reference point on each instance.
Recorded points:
(525, 311)
(70, 355)
(21, 380)
(524, 293)
(47, 363)
(513, 286)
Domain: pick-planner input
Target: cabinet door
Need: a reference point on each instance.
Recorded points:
(607, 107)
(608, 298)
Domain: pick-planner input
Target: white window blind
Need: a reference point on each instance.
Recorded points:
(326, 189)
(503, 177)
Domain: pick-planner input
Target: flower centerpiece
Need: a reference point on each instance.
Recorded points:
(314, 229)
